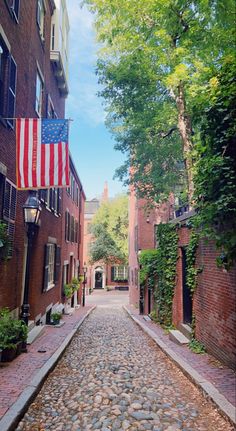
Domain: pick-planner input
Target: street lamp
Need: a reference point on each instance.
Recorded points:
(84, 283)
(31, 213)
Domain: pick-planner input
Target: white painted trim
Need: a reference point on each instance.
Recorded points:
(4, 37)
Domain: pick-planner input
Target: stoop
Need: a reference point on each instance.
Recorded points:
(177, 337)
(34, 333)
(186, 330)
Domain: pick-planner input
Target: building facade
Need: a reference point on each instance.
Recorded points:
(34, 84)
(99, 274)
(213, 302)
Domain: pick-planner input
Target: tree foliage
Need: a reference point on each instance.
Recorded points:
(110, 231)
(215, 173)
(156, 64)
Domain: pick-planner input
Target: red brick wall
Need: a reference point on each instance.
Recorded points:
(214, 305)
(28, 49)
(214, 301)
(145, 220)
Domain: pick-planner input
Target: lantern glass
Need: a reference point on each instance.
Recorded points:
(32, 210)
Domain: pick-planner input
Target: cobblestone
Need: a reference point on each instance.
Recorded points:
(113, 377)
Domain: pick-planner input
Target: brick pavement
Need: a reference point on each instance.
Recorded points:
(221, 377)
(15, 376)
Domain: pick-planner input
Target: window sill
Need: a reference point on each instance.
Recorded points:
(51, 286)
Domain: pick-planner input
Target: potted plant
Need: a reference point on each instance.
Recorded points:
(55, 317)
(75, 284)
(13, 333)
(68, 290)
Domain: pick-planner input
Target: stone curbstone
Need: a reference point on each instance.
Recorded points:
(225, 408)
(14, 414)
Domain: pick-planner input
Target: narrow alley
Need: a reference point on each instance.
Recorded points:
(113, 377)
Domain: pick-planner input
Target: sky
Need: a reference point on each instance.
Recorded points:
(91, 145)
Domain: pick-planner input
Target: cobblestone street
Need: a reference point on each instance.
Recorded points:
(113, 377)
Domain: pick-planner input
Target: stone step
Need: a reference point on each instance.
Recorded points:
(35, 333)
(30, 325)
(186, 330)
(177, 337)
(147, 318)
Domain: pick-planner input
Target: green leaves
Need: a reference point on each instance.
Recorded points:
(110, 231)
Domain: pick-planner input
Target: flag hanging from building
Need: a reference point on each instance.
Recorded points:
(42, 153)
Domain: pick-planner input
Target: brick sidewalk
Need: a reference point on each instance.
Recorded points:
(15, 376)
(220, 376)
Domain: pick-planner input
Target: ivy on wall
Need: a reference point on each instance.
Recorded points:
(192, 271)
(158, 270)
(148, 261)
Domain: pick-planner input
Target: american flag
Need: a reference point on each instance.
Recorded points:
(42, 153)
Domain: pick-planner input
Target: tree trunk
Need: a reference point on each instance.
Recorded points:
(185, 129)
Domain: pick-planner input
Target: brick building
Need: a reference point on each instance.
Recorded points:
(100, 275)
(33, 84)
(142, 227)
(214, 300)
(72, 231)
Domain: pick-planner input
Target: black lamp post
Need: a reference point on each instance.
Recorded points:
(84, 283)
(31, 211)
(141, 287)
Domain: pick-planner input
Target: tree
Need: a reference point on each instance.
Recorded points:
(215, 174)
(158, 58)
(110, 231)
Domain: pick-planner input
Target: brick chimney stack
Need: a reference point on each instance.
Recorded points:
(105, 193)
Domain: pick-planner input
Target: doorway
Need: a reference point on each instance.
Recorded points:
(98, 280)
(187, 299)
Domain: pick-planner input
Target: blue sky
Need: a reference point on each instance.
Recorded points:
(91, 145)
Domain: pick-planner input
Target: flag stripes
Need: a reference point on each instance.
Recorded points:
(39, 165)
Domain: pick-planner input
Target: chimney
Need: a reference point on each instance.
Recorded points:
(105, 192)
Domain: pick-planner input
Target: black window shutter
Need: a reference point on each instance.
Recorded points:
(112, 273)
(57, 263)
(69, 228)
(17, 7)
(59, 202)
(13, 203)
(46, 264)
(7, 200)
(66, 225)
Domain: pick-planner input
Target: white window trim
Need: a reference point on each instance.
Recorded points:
(51, 266)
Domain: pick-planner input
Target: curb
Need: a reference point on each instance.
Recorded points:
(224, 407)
(14, 414)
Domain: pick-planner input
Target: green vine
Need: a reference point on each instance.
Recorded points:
(167, 238)
(148, 260)
(192, 271)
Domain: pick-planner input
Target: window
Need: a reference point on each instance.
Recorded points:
(53, 37)
(52, 199)
(39, 94)
(40, 17)
(15, 7)
(67, 226)
(119, 273)
(8, 73)
(52, 265)
(51, 113)
(11, 92)
(9, 211)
